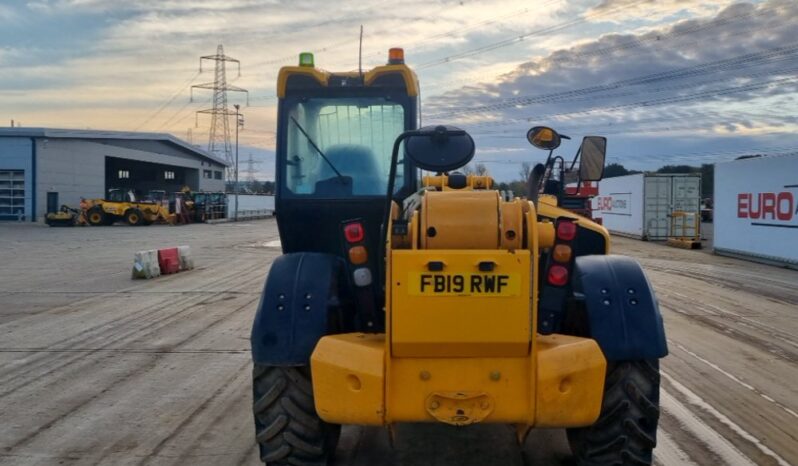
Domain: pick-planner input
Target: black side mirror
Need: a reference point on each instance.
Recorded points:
(439, 148)
(543, 137)
(593, 150)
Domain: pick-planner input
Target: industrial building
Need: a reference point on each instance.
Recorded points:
(42, 168)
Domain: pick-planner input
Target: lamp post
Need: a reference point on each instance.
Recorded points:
(239, 124)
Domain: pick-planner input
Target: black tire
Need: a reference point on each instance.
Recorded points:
(134, 217)
(96, 216)
(287, 428)
(626, 430)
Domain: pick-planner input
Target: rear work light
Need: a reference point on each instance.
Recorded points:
(566, 230)
(558, 275)
(354, 232)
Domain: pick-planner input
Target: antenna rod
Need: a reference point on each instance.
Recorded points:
(360, 53)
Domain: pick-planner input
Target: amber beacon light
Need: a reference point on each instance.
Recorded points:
(396, 56)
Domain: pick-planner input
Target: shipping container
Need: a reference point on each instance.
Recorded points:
(641, 205)
(756, 209)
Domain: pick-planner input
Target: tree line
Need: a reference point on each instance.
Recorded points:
(706, 170)
(518, 186)
(251, 187)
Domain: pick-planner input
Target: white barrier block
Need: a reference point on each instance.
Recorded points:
(186, 261)
(145, 264)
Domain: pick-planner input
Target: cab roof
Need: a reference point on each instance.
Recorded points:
(296, 80)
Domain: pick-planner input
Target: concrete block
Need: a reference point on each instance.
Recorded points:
(145, 264)
(168, 260)
(186, 260)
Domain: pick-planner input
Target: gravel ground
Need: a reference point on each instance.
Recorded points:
(96, 368)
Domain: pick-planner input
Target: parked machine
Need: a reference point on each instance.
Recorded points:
(206, 206)
(65, 217)
(442, 304)
(121, 205)
(202, 207)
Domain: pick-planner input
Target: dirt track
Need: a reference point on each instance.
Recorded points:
(98, 369)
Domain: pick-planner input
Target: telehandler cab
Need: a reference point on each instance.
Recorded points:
(443, 304)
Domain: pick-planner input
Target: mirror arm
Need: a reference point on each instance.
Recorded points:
(576, 157)
(533, 183)
(548, 159)
(579, 175)
(388, 199)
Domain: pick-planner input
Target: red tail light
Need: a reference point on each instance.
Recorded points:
(566, 230)
(354, 232)
(558, 275)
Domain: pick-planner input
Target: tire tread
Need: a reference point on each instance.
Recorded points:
(626, 431)
(287, 428)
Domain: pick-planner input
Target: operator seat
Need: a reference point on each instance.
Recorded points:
(356, 162)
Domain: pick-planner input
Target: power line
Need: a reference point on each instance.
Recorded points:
(168, 102)
(459, 32)
(645, 103)
(191, 112)
(623, 126)
(684, 155)
(349, 15)
(520, 38)
(169, 120)
(637, 42)
(747, 60)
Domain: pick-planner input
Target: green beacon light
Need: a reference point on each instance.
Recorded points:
(305, 59)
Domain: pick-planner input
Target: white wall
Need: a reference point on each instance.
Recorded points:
(250, 202)
(620, 204)
(211, 184)
(641, 205)
(72, 168)
(756, 208)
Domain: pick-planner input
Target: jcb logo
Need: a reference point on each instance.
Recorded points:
(766, 206)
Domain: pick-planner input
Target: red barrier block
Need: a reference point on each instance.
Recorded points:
(169, 260)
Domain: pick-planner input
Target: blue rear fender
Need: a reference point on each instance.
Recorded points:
(622, 310)
(293, 312)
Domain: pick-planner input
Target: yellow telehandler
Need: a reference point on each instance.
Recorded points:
(120, 205)
(397, 301)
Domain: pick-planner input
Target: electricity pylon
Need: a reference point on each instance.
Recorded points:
(219, 135)
(250, 170)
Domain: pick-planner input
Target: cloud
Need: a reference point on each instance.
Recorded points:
(7, 14)
(618, 10)
(733, 74)
(114, 64)
(744, 53)
(142, 51)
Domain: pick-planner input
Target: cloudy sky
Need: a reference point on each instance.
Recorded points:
(667, 81)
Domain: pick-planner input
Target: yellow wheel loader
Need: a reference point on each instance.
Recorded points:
(397, 301)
